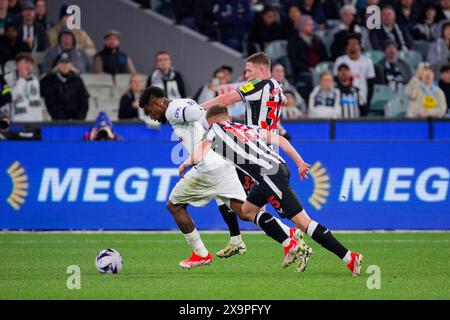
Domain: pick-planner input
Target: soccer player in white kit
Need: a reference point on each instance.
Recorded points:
(214, 178)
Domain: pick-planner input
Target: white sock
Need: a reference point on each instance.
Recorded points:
(236, 239)
(311, 228)
(194, 240)
(347, 258)
(285, 228)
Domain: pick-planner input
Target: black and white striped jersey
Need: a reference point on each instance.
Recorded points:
(244, 147)
(263, 102)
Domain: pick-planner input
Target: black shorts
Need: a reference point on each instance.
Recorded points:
(276, 190)
(247, 182)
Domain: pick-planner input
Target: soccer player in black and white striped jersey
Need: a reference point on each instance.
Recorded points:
(246, 147)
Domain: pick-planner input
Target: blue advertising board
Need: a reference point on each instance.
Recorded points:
(125, 185)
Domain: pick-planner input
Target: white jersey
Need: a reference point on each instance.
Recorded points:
(186, 118)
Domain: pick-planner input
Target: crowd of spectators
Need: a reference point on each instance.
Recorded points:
(317, 33)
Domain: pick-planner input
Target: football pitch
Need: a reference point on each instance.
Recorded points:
(34, 266)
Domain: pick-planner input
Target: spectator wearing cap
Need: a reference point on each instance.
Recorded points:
(305, 51)
(392, 71)
(439, 51)
(426, 99)
(11, 44)
(444, 83)
(111, 59)
(265, 28)
(68, 44)
(353, 103)
(103, 130)
(390, 30)
(64, 92)
(278, 72)
(30, 31)
(41, 15)
(84, 42)
(362, 68)
(426, 27)
(5, 16)
(166, 77)
(346, 26)
(26, 105)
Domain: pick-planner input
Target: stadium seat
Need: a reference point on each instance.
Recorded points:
(413, 58)
(327, 38)
(375, 55)
(110, 106)
(381, 96)
(277, 49)
(98, 85)
(320, 68)
(422, 47)
(397, 106)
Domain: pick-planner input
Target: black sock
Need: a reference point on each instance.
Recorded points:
(230, 219)
(270, 226)
(325, 238)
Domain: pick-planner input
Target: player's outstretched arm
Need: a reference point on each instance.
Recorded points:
(225, 99)
(286, 146)
(195, 157)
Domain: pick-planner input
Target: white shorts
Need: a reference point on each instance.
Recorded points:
(198, 188)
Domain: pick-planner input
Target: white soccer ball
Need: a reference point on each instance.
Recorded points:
(109, 261)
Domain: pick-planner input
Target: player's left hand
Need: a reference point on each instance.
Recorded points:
(303, 170)
(182, 168)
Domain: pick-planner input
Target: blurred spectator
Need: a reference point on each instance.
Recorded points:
(103, 130)
(305, 51)
(279, 74)
(363, 70)
(64, 92)
(67, 44)
(426, 27)
(220, 77)
(26, 103)
(314, 9)
(426, 98)
(5, 16)
(41, 15)
(84, 42)
(324, 101)
(184, 12)
(331, 7)
(390, 30)
(444, 10)
(444, 83)
(166, 77)
(129, 102)
(293, 14)
(30, 31)
(439, 51)
(407, 13)
(265, 28)
(111, 59)
(10, 44)
(346, 26)
(393, 71)
(204, 18)
(5, 97)
(234, 18)
(353, 104)
(290, 110)
(14, 7)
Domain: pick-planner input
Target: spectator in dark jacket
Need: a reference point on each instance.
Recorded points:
(204, 18)
(41, 15)
(305, 51)
(166, 77)
(184, 12)
(111, 59)
(314, 9)
(64, 92)
(390, 29)
(129, 102)
(293, 14)
(393, 71)
(444, 83)
(265, 28)
(10, 44)
(407, 14)
(234, 18)
(67, 43)
(30, 31)
(426, 27)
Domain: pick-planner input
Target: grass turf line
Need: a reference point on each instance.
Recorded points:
(413, 266)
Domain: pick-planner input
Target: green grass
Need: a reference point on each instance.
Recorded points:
(33, 266)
